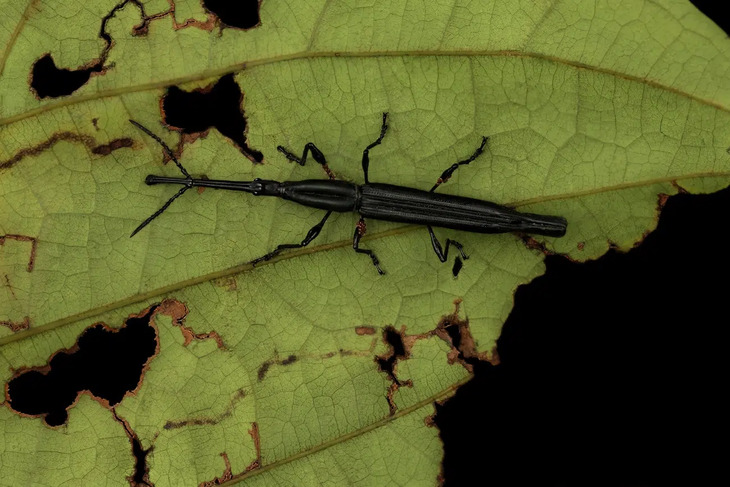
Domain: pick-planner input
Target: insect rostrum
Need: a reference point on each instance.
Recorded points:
(373, 200)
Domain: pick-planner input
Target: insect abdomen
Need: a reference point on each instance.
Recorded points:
(409, 205)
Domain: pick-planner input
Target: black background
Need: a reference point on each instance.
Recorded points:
(613, 371)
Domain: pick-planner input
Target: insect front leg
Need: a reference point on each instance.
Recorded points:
(311, 235)
(366, 152)
(360, 230)
(446, 175)
(316, 154)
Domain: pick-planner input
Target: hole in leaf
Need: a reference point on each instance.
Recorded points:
(397, 351)
(141, 470)
(242, 14)
(107, 363)
(49, 81)
(217, 106)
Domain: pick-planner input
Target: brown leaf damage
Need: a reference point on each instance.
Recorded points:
(254, 432)
(106, 149)
(227, 474)
(451, 328)
(87, 140)
(264, 368)
(179, 311)
(23, 238)
(16, 326)
(533, 244)
(9, 286)
(230, 283)
(200, 421)
(456, 332)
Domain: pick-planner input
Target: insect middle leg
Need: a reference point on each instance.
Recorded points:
(445, 176)
(316, 154)
(360, 229)
(366, 152)
(311, 235)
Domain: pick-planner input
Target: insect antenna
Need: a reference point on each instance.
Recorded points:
(171, 155)
(168, 151)
(159, 212)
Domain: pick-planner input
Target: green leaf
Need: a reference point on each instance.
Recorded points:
(595, 112)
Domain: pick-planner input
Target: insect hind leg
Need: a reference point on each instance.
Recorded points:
(360, 229)
(443, 253)
(311, 235)
(446, 175)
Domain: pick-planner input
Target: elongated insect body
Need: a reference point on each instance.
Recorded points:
(375, 200)
(392, 203)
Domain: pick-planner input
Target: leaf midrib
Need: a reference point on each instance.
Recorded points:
(241, 268)
(439, 396)
(14, 36)
(214, 73)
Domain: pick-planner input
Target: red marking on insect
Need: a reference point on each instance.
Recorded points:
(329, 172)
